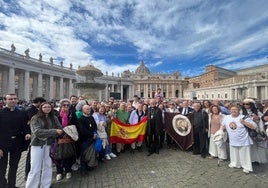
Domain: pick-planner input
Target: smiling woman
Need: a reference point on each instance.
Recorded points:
(45, 128)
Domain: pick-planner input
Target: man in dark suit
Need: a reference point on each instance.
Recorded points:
(200, 128)
(185, 109)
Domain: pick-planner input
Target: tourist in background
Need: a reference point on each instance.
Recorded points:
(73, 101)
(224, 110)
(206, 104)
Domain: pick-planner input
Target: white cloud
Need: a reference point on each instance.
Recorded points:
(74, 30)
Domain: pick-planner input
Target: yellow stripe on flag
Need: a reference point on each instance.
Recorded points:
(126, 133)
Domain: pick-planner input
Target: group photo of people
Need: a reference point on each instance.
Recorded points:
(74, 134)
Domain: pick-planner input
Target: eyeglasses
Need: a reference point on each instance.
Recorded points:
(246, 104)
(66, 105)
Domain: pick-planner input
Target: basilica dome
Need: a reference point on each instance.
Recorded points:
(142, 69)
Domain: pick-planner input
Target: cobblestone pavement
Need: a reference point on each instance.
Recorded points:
(170, 168)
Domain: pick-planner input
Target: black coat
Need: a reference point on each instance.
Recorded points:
(155, 121)
(13, 123)
(86, 128)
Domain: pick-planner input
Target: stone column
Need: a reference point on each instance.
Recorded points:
(167, 92)
(100, 96)
(21, 85)
(112, 88)
(47, 89)
(61, 88)
(173, 90)
(145, 91)
(51, 87)
(11, 80)
(4, 81)
(70, 87)
(255, 92)
(235, 94)
(35, 86)
(121, 90)
(27, 85)
(106, 92)
(40, 85)
(266, 91)
(151, 91)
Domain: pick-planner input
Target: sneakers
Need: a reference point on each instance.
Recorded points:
(245, 171)
(59, 177)
(75, 166)
(112, 155)
(107, 157)
(68, 175)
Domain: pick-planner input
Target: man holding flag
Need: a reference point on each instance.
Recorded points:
(135, 117)
(124, 133)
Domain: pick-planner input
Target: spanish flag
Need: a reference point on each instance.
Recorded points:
(126, 133)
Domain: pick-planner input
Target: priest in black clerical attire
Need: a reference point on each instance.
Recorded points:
(154, 128)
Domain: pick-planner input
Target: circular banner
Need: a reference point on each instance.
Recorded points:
(181, 125)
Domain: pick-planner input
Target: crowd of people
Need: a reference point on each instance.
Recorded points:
(36, 126)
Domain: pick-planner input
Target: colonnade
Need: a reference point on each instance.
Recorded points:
(29, 77)
(27, 84)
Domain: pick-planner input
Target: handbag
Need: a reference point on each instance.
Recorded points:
(252, 133)
(98, 144)
(62, 149)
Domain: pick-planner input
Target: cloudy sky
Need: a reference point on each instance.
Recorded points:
(116, 35)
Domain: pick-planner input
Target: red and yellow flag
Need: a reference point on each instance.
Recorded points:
(126, 133)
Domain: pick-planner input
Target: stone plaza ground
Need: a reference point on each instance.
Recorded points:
(170, 168)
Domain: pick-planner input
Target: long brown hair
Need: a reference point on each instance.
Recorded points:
(43, 117)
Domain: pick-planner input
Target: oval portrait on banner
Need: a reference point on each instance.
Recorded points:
(181, 125)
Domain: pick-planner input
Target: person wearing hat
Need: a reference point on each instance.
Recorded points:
(258, 149)
(66, 117)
